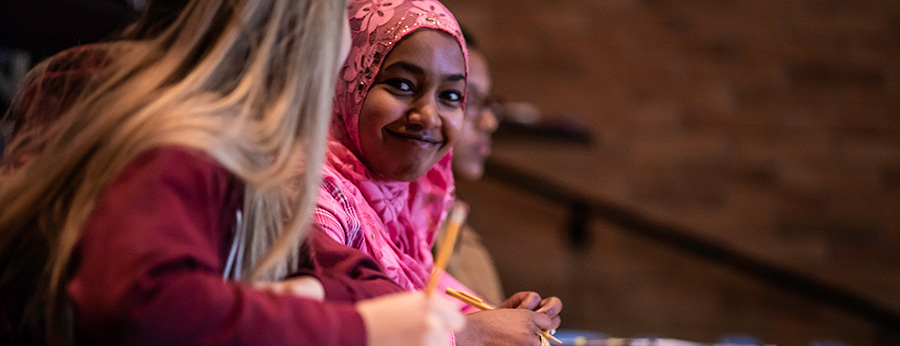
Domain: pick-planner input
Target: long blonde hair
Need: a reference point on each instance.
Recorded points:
(248, 82)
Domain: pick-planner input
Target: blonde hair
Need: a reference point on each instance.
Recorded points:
(248, 82)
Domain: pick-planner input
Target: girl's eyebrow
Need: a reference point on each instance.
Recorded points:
(417, 70)
(411, 68)
(455, 77)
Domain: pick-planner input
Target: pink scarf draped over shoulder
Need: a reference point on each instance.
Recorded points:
(394, 222)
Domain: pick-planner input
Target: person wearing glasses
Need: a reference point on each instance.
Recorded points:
(471, 262)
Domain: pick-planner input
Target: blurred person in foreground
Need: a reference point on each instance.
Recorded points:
(162, 205)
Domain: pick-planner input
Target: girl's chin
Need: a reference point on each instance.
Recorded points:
(407, 174)
(402, 164)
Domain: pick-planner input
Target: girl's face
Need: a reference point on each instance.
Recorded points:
(413, 112)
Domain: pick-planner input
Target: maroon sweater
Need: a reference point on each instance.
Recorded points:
(151, 257)
(347, 274)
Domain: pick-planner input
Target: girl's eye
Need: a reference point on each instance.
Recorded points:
(451, 96)
(399, 84)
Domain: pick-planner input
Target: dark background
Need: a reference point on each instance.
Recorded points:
(769, 129)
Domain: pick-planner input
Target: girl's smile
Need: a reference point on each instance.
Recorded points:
(416, 138)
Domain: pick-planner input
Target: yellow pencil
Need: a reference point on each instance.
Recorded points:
(469, 299)
(457, 218)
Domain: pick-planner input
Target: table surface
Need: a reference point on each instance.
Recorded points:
(589, 338)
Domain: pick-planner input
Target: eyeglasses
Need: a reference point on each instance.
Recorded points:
(478, 103)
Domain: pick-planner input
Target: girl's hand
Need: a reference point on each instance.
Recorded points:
(522, 300)
(305, 286)
(504, 327)
(532, 301)
(409, 319)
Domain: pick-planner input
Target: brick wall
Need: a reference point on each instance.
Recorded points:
(772, 127)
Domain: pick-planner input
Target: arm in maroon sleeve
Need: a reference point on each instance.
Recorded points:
(346, 273)
(150, 261)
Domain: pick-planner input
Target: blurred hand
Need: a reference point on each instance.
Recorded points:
(551, 306)
(522, 300)
(409, 319)
(502, 327)
(305, 286)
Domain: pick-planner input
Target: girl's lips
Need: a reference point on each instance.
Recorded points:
(416, 137)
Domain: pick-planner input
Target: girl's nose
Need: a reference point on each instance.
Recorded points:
(425, 114)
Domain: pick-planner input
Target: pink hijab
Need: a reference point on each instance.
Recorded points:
(394, 222)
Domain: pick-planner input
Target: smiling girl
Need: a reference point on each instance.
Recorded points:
(399, 108)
